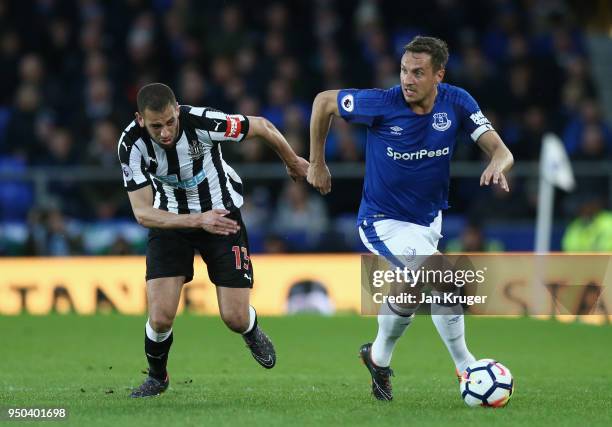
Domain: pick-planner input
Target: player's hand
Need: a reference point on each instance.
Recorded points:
(494, 172)
(319, 177)
(214, 222)
(298, 169)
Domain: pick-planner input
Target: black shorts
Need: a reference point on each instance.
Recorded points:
(170, 253)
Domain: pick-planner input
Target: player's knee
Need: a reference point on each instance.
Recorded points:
(236, 320)
(161, 322)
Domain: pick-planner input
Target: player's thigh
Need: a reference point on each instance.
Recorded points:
(163, 296)
(227, 258)
(413, 243)
(169, 266)
(403, 244)
(169, 254)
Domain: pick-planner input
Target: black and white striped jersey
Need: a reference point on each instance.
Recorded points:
(191, 176)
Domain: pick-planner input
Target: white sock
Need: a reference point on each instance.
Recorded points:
(390, 328)
(156, 336)
(252, 319)
(451, 327)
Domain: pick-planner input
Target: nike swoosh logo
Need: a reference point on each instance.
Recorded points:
(266, 362)
(383, 392)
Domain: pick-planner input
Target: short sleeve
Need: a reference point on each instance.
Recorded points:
(220, 126)
(362, 106)
(132, 165)
(473, 120)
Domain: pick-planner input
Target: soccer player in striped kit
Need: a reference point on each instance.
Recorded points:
(180, 188)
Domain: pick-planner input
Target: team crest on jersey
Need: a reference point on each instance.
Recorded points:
(441, 122)
(196, 149)
(409, 254)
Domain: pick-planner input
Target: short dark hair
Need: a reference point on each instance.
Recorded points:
(436, 48)
(155, 97)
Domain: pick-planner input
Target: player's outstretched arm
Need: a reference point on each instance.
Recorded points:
(213, 221)
(324, 107)
(297, 167)
(501, 159)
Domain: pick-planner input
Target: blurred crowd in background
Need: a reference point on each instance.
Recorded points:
(70, 71)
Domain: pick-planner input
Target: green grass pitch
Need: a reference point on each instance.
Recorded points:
(563, 373)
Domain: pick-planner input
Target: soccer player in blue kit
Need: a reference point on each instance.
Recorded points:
(411, 134)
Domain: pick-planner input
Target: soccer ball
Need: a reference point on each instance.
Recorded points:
(486, 382)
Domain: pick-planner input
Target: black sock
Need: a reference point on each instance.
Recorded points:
(252, 331)
(157, 355)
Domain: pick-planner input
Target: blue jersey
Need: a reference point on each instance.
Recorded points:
(407, 154)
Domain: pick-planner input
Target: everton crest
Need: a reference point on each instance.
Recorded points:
(441, 122)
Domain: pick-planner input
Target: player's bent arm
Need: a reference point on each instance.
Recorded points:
(491, 143)
(324, 107)
(501, 160)
(212, 221)
(261, 127)
(148, 216)
(297, 167)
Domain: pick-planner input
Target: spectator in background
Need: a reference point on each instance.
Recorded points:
(593, 144)
(121, 247)
(49, 235)
(256, 209)
(249, 68)
(472, 239)
(533, 128)
(590, 115)
(331, 66)
(222, 74)
(345, 143)
(105, 199)
(102, 149)
(98, 99)
(31, 70)
(181, 46)
(21, 137)
(59, 149)
(60, 153)
(300, 215)
(476, 75)
(192, 86)
(578, 86)
(275, 244)
(591, 231)
(231, 36)
(279, 99)
(520, 89)
(311, 297)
